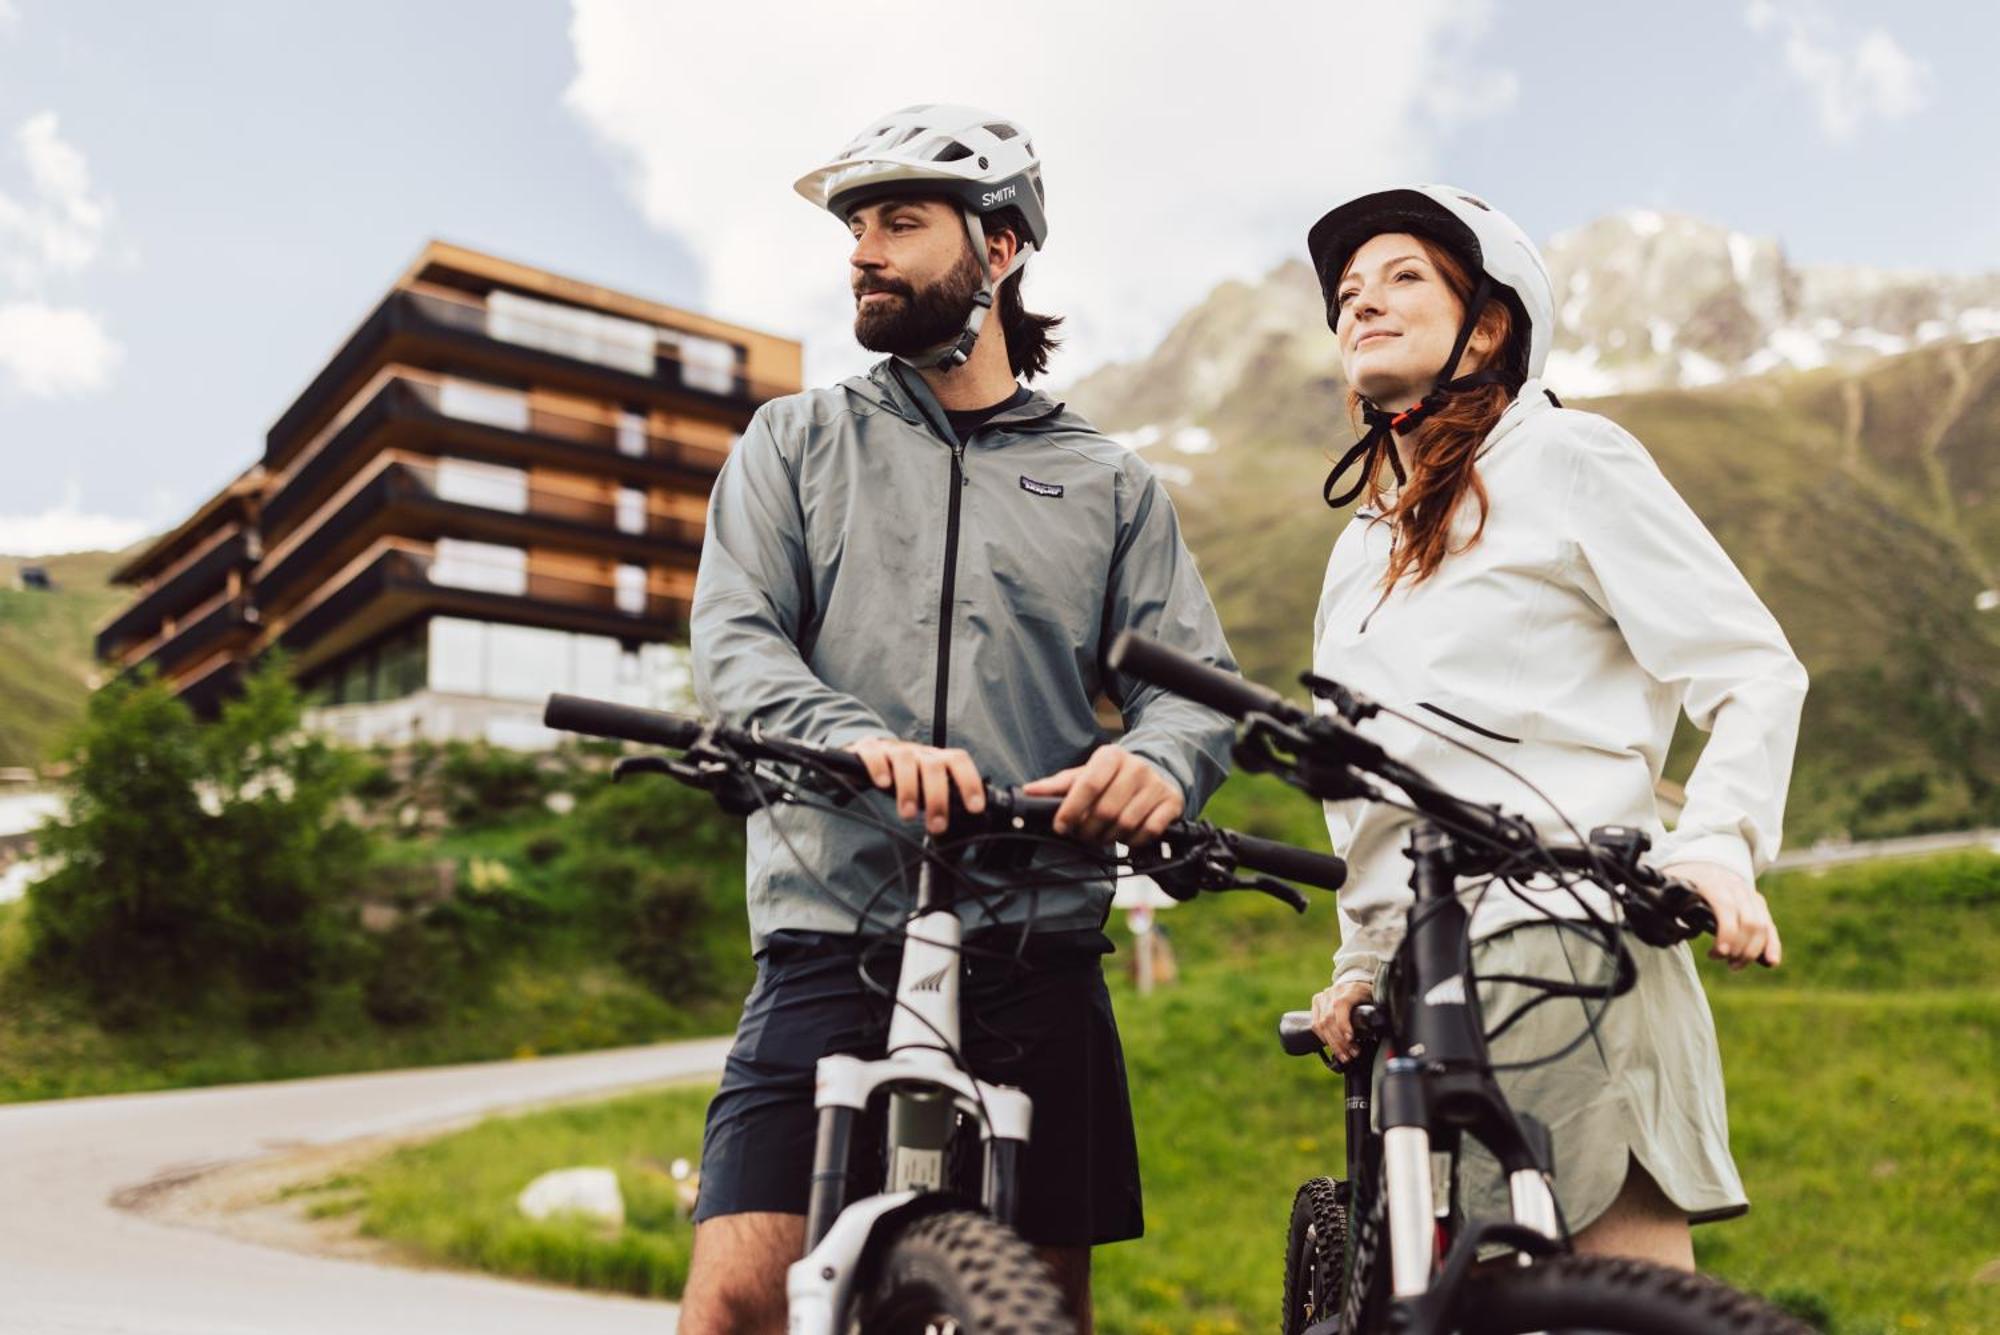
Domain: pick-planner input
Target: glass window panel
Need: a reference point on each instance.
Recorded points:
(494, 486)
(669, 676)
(632, 434)
(707, 363)
(629, 345)
(491, 404)
(485, 566)
(631, 510)
(594, 666)
(457, 656)
(631, 589)
(526, 662)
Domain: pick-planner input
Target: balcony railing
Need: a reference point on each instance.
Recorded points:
(522, 592)
(537, 432)
(202, 628)
(178, 590)
(413, 498)
(468, 320)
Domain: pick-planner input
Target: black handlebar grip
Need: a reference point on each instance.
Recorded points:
(1147, 659)
(627, 723)
(1293, 864)
(1295, 1034)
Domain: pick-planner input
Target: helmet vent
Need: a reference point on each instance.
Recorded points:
(1477, 203)
(906, 136)
(951, 152)
(1002, 131)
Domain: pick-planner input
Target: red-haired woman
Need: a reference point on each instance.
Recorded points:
(1521, 577)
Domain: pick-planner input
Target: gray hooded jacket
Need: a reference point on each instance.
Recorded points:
(867, 574)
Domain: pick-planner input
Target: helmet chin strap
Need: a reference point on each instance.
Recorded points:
(1382, 425)
(954, 353)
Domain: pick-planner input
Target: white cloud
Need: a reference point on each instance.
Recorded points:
(60, 228)
(54, 352)
(1182, 145)
(9, 15)
(50, 351)
(1849, 78)
(66, 528)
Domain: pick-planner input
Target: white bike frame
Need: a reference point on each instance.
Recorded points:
(926, 1089)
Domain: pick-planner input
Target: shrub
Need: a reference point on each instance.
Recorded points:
(198, 860)
(410, 975)
(484, 784)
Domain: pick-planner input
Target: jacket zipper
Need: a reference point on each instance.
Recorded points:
(945, 598)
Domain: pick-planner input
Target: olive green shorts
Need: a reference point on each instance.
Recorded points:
(1647, 1088)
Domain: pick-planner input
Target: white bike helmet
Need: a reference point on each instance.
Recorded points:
(1477, 231)
(983, 162)
(1509, 268)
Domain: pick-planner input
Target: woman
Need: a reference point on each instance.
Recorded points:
(1522, 578)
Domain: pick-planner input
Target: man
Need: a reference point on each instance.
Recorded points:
(927, 565)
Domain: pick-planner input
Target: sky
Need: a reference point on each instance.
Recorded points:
(198, 201)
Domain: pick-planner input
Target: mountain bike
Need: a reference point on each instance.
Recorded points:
(919, 1239)
(1387, 1248)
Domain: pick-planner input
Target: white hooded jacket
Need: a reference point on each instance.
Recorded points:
(1593, 609)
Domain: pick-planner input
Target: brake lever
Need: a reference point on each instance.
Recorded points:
(1275, 888)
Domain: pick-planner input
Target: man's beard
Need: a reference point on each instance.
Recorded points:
(913, 322)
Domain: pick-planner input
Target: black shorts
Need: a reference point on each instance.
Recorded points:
(1043, 1026)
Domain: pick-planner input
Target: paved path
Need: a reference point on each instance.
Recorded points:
(72, 1263)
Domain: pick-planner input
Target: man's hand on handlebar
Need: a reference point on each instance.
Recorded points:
(1115, 795)
(1333, 1016)
(922, 777)
(1744, 931)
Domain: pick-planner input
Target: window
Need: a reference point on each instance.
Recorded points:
(632, 433)
(473, 402)
(628, 345)
(707, 363)
(480, 565)
(490, 485)
(631, 510)
(631, 589)
(667, 671)
(457, 656)
(594, 666)
(526, 662)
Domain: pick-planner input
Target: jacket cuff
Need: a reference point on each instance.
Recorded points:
(846, 734)
(1727, 850)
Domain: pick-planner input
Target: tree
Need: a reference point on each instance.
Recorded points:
(198, 862)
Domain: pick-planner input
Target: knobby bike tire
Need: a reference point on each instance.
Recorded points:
(1315, 1249)
(962, 1272)
(1616, 1296)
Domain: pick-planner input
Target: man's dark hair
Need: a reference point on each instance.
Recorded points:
(1030, 337)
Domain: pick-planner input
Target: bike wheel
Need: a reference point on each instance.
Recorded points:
(1315, 1246)
(1613, 1296)
(960, 1273)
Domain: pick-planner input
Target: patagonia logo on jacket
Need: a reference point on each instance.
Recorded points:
(1033, 487)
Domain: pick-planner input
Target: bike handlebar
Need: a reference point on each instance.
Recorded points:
(623, 723)
(1008, 809)
(1225, 692)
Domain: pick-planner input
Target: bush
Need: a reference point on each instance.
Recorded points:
(485, 784)
(409, 979)
(197, 861)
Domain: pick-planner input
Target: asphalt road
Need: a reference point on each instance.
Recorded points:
(73, 1263)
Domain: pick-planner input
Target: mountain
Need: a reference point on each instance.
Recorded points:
(1646, 300)
(1861, 498)
(46, 668)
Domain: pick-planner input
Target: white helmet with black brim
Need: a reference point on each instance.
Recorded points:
(982, 162)
(1509, 267)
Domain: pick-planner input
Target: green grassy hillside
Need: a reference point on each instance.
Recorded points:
(46, 668)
